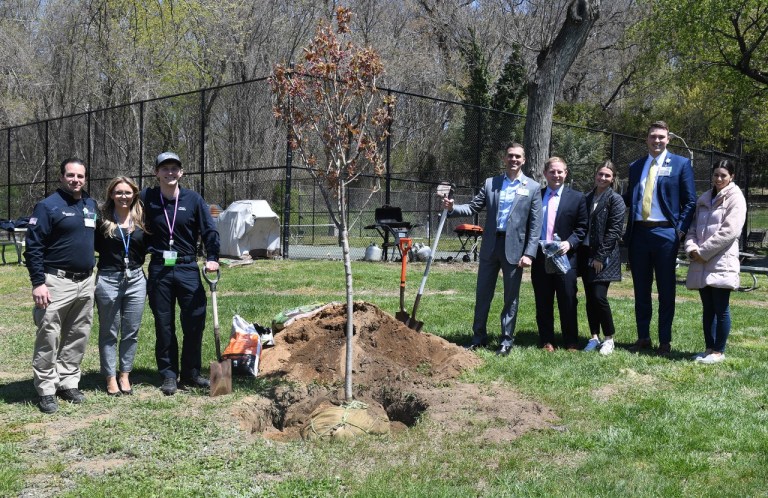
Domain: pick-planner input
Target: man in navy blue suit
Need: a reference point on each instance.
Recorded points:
(564, 214)
(661, 199)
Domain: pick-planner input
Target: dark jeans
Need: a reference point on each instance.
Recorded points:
(716, 318)
(598, 308)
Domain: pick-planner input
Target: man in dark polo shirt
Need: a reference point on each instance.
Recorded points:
(60, 259)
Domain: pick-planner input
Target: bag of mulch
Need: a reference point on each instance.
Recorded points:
(287, 317)
(344, 422)
(244, 348)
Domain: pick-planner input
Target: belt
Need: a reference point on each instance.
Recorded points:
(654, 224)
(69, 275)
(179, 259)
(501, 234)
(132, 270)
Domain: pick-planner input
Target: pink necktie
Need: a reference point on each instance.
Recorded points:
(551, 212)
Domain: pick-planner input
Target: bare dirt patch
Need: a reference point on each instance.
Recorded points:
(400, 374)
(626, 379)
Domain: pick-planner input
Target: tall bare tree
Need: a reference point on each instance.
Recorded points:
(552, 64)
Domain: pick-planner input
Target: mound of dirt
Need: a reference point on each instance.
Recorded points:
(398, 372)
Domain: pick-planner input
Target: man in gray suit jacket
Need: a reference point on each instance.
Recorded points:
(510, 240)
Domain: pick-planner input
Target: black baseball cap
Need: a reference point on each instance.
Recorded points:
(167, 156)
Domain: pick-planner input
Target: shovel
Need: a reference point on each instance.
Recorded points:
(221, 370)
(405, 245)
(444, 190)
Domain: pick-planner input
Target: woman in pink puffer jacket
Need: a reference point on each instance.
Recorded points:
(712, 245)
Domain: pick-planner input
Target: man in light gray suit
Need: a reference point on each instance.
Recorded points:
(510, 240)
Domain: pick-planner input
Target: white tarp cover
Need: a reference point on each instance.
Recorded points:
(249, 226)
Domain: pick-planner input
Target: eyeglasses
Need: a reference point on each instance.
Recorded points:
(123, 193)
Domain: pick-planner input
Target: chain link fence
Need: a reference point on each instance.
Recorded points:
(234, 149)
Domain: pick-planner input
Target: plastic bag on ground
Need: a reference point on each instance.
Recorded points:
(244, 348)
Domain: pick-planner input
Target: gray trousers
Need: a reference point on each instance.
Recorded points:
(120, 302)
(487, 275)
(62, 334)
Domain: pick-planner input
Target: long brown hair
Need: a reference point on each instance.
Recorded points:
(109, 223)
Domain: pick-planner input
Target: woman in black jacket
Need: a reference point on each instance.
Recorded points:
(599, 260)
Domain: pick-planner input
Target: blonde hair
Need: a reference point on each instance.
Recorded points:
(109, 223)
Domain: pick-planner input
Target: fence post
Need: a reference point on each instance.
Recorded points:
(140, 176)
(388, 180)
(288, 173)
(8, 157)
(88, 155)
(478, 158)
(747, 168)
(202, 143)
(45, 172)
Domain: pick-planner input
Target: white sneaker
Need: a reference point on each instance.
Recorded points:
(699, 356)
(607, 347)
(712, 358)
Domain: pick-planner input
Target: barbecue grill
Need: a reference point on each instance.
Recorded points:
(468, 233)
(389, 221)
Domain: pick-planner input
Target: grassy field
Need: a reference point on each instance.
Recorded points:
(630, 425)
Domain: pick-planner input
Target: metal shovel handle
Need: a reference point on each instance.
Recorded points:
(445, 190)
(214, 302)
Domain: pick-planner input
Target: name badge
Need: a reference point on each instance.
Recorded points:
(523, 192)
(169, 258)
(90, 222)
(665, 171)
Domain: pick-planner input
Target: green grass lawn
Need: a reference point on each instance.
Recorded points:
(630, 425)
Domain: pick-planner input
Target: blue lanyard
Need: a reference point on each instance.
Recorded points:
(126, 240)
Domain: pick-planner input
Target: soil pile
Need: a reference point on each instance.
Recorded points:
(398, 372)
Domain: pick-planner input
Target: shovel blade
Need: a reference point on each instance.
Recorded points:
(403, 316)
(414, 324)
(221, 377)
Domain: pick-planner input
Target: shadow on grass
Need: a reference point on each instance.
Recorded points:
(523, 339)
(530, 339)
(23, 391)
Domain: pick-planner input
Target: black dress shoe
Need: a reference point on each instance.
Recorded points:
(195, 380)
(504, 350)
(474, 346)
(169, 386)
(73, 395)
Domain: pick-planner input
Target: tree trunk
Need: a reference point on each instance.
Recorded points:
(350, 304)
(553, 64)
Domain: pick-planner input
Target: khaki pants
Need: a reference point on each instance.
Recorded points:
(62, 334)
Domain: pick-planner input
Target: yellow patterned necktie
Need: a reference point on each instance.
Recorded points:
(648, 192)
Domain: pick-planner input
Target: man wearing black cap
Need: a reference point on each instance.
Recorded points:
(175, 218)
